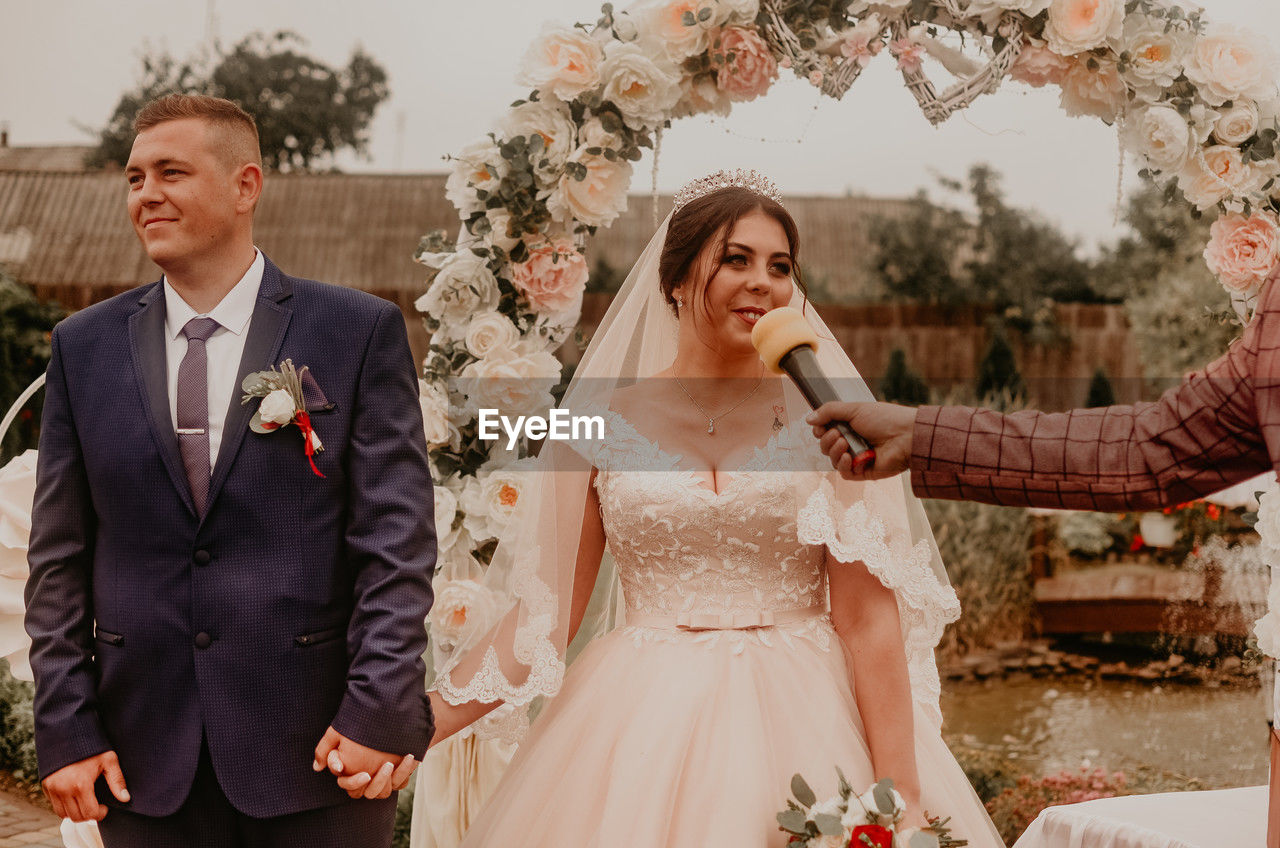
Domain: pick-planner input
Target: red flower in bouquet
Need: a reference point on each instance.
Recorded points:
(871, 836)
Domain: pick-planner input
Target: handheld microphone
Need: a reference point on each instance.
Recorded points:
(786, 343)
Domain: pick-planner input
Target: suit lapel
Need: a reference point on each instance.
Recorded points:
(266, 335)
(147, 346)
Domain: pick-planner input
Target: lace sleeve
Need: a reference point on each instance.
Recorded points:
(860, 533)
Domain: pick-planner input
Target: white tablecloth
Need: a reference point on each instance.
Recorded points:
(1225, 818)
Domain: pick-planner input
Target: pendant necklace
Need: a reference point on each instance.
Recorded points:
(711, 419)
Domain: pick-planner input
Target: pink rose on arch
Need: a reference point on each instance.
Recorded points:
(554, 276)
(1037, 65)
(909, 52)
(748, 68)
(1243, 252)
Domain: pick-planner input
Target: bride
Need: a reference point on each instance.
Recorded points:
(772, 618)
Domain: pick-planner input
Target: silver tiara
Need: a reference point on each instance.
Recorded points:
(741, 178)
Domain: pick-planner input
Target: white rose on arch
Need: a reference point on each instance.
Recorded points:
(730, 12)
(1228, 63)
(1160, 136)
(463, 286)
(664, 24)
(598, 198)
(478, 166)
(552, 121)
(1156, 56)
(1226, 176)
(1238, 123)
(643, 88)
(499, 234)
(435, 414)
(461, 609)
(1075, 26)
(564, 61)
(516, 381)
(992, 9)
(489, 499)
(490, 331)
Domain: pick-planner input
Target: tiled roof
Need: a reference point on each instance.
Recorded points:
(361, 230)
(58, 157)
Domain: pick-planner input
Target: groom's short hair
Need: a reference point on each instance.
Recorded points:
(234, 132)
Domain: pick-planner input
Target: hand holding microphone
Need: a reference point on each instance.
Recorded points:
(786, 343)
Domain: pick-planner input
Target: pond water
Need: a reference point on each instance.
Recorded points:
(1216, 735)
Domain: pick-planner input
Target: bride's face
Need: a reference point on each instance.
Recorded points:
(752, 277)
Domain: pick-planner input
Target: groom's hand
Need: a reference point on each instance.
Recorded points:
(362, 771)
(887, 426)
(70, 788)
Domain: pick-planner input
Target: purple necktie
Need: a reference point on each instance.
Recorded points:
(193, 408)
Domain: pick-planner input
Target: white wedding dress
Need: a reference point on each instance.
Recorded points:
(664, 736)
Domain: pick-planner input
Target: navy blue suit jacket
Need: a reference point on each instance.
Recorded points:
(296, 602)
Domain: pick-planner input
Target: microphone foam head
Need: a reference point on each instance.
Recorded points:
(780, 331)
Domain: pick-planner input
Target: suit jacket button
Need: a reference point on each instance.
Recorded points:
(203, 640)
(202, 557)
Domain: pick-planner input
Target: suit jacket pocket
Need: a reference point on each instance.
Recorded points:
(107, 636)
(319, 637)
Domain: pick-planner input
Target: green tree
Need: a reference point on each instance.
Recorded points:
(25, 325)
(306, 110)
(998, 375)
(900, 384)
(1100, 391)
(918, 254)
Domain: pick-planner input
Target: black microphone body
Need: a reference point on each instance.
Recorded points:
(801, 365)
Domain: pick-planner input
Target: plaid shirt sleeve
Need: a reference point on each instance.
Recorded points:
(1199, 437)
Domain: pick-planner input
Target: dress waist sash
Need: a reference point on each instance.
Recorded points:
(740, 620)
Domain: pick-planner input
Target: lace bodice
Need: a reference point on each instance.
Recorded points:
(681, 547)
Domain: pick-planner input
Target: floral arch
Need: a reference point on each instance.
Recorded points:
(1196, 103)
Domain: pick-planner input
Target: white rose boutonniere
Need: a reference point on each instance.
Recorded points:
(283, 403)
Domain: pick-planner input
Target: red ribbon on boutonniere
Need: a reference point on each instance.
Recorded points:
(283, 403)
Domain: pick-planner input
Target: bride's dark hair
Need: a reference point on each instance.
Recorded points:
(700, 220)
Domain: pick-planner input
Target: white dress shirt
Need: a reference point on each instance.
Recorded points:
(224, 347)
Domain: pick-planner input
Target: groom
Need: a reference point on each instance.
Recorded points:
(211, 617)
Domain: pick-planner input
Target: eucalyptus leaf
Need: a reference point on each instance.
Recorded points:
(883, 793)
(803, 793)
(792, 821)
(828, 825)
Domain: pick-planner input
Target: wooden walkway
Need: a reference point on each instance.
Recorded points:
(1132, 598)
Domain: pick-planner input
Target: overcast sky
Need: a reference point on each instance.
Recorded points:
(64, 63)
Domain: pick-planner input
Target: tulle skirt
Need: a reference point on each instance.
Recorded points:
(665, 739)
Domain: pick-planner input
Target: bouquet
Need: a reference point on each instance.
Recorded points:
(847, 820)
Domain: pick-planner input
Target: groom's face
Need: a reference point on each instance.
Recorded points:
(184, 198)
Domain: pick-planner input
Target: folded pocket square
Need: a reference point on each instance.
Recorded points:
(311, 393)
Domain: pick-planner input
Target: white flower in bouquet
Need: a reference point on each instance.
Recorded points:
(1225, 176)
(461, 609)
(463, 286)
(479, 165)
(563, 61)
(1075, 26)
(1094, 88)
(643, 89)
(552, 121)
(1161, 136)
(1156, 54)
(1227, 63)
(596, 199)
(490, 331)
(867, 801)
(516, 380)
(435, 414)
(277, 408)
(1238, 123)
(833, 806)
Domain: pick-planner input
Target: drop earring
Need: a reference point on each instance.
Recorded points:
(679, 302)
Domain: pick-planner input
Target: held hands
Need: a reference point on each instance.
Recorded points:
(360, 770)
(888, 427)
(70, 788)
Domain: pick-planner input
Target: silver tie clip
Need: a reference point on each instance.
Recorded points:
(189, 432)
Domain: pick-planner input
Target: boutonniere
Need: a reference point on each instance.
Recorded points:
(282, 404)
